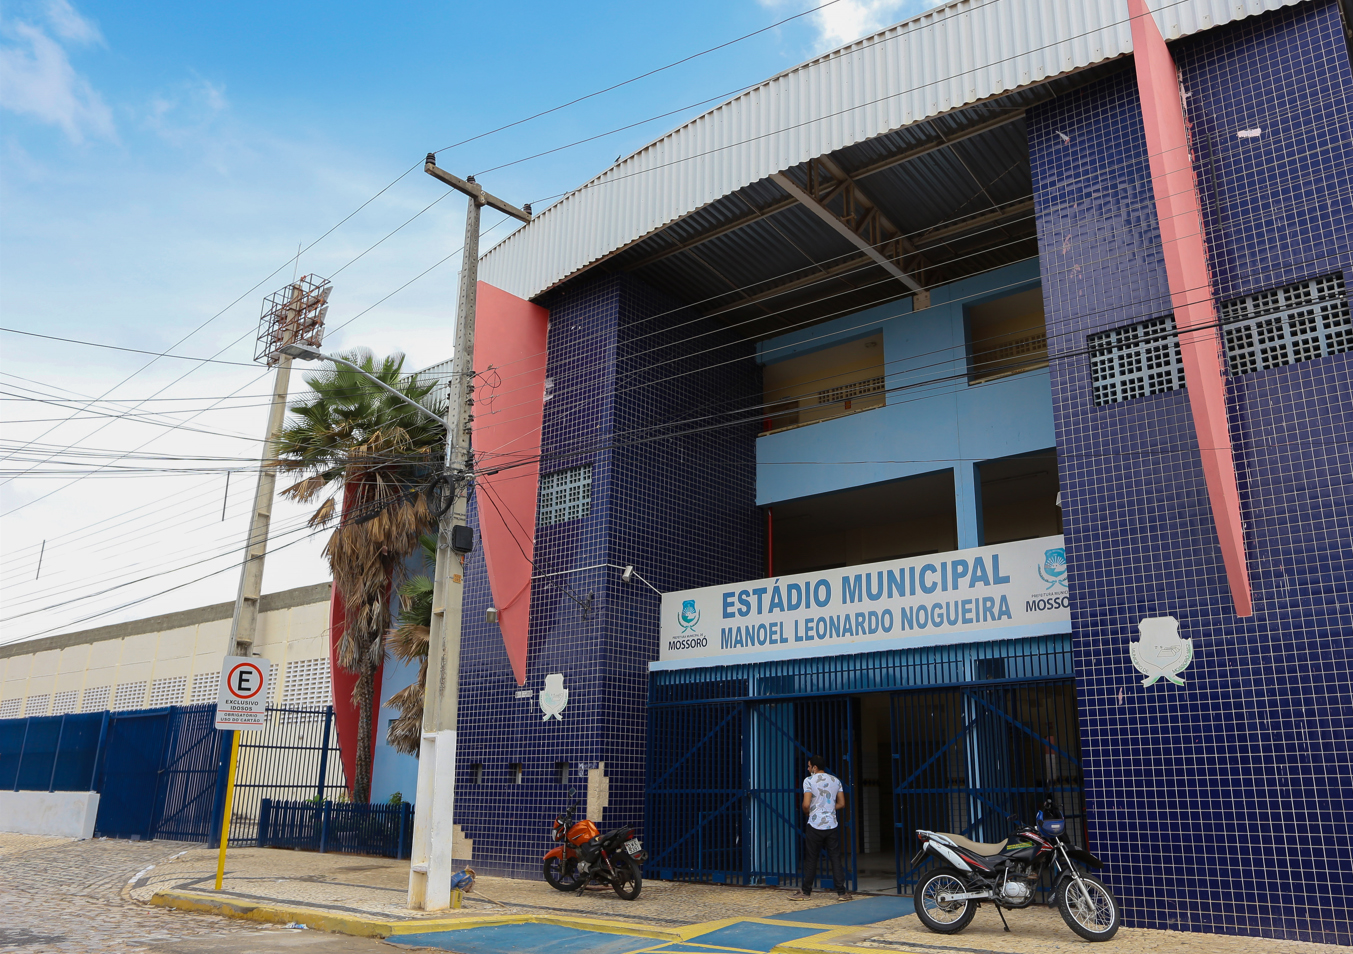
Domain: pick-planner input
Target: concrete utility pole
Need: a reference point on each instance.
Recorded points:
(296, 313)
(430, 861)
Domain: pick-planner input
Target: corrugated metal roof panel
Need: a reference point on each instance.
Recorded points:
(961, 53)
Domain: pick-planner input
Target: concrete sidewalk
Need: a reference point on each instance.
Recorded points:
(366, 896)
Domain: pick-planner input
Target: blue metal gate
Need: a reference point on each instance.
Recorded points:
(189, 790)
(129, 778)
(976, 732)
(980, 758)
(726, 785)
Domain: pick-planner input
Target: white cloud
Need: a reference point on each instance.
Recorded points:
(69, 25)
(182, 116)
(38, 80)
(847, 20)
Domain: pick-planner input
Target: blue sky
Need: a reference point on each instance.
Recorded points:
(157, 160)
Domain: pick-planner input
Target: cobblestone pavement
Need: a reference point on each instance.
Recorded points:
(66, 897)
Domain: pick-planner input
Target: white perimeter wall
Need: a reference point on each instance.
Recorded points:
(63, 814)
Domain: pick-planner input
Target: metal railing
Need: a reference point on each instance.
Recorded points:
(327, 825)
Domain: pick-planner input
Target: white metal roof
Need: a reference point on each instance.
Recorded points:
(960, 53)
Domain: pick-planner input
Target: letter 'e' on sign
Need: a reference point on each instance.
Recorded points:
(242, 702)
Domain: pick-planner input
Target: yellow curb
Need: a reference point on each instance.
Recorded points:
(358, 926)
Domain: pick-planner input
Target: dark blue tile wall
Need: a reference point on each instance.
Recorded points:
(1221, 805)
(640, 390)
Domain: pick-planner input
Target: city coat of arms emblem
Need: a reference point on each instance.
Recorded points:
(1161, 651)
(553, 697)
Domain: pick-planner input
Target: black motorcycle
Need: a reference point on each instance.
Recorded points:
(1006, 874)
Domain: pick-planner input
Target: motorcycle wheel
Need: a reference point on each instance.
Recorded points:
(1095, 918)
(628, 882)
(946, 918)
(561, 874)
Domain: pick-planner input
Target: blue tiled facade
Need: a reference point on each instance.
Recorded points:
(1222, 804)
(679, 507)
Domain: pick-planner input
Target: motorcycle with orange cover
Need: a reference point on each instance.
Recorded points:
(584, 855)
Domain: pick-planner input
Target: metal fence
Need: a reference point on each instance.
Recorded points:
(293, 758)
(326, 825)
(161, 773)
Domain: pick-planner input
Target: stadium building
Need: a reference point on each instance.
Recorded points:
(971, 405)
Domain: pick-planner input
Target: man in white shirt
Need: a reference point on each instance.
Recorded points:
(822, 799)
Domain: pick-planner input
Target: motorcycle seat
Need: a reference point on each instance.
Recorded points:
(613, 833)
(984, 848)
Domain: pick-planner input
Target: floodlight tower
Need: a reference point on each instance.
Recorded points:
(293, 315)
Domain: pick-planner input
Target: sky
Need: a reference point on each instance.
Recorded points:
(161, 164)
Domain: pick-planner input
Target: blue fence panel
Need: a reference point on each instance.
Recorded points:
(337, 826)
(39, 754)
(77, 755)
(50, 753)
(12, 733)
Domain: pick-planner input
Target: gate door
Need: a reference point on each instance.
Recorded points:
(694, 811)
(780, 737)
(185, 803)
(979, 759)
(130, 776)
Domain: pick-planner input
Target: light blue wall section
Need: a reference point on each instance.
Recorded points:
(934, 420)
(392, 772)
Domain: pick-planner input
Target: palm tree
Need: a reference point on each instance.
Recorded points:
(409, 642)
(351, 438)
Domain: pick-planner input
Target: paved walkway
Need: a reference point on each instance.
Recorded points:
(80, 897)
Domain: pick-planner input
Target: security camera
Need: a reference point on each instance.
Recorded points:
(628, 575)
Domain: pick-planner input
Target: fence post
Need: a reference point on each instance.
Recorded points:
(264, 817)
(324, 752)
(56, 756)
(94, 772)
(323, 826)
(403, 827)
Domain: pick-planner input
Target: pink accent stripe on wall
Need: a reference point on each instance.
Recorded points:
(1186, 267)
(509, 410)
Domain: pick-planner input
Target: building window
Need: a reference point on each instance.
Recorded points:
(514, 773)
(1007, 336)
(825, 384)
(36, 705)
(64, 702)
(477, 773)
(9, 709)
(1282, 326)
(561, 772)
(1135, 361)
(565, 495)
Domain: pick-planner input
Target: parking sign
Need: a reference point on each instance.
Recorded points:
(242, 702)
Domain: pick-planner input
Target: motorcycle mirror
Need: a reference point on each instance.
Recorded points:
(572, 791)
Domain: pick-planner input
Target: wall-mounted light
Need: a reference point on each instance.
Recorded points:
(1059, 500)
(491, 615)
(627, 575)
